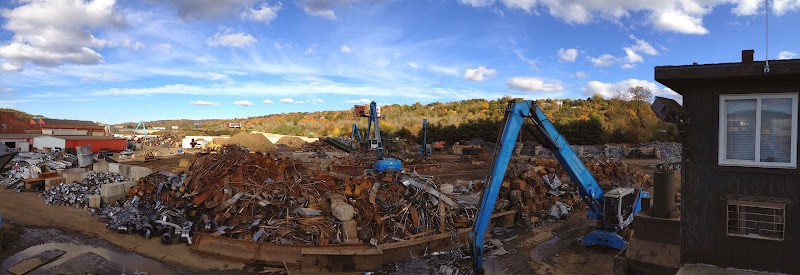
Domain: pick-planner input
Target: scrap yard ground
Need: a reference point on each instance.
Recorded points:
(549, 248)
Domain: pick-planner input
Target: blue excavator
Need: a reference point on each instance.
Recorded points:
(373, 137)
(613, 210)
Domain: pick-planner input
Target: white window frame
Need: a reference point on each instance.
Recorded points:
(722, 150)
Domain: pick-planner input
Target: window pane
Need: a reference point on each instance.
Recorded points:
(741, 132)
(776, 129)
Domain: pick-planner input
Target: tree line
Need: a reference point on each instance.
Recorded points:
(625, 118)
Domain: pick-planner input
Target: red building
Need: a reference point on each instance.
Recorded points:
(11, 124)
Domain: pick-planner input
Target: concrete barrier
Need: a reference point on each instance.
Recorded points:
(138, 172)
(113, 192)
(71, 177)
(100, 167)
(52, 182)
(113, 167)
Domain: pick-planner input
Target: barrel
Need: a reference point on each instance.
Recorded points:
(664, 195)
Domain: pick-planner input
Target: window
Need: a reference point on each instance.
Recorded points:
(758, 130)
(756, 219)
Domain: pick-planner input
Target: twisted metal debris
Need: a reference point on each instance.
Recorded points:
(269, 198)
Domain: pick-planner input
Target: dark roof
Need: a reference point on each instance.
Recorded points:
(677, 77)
(53, 121)
(2, 136)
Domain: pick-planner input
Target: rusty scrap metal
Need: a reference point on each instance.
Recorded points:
(270, 198)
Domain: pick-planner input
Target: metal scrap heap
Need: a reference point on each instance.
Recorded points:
(77, 193)
(540, 188)
(269, 198)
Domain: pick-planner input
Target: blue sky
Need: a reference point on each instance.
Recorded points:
(117, 61)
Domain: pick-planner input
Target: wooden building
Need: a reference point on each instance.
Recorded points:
(741, 182)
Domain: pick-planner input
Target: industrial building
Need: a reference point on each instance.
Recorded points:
(740, 171)
(98, 143)
(10, 123)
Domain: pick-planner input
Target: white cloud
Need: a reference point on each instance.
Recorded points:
(679, 21)
(478, 73)
(359, 101)
(631, 56)
(567, 55)
(323, 8)
(581, 74)
(6, 90)
(11, 67)
(267, 101)
(208, 9)
(345, 49)
(413, 65)
(310, 51)
(642, 46)
(680, 16)
(628, 66)
(533, 84)
(526, 5)
(780, 7)
(748, 7)
(787, 55)
(243, 102)
(51, 33)
(443, 70)
(210, 76)
(609, 90)
(753, 7)
(231, 40)
(286, 100)
(477, 3)
(265, 13)
(201, 102)
(604, 60)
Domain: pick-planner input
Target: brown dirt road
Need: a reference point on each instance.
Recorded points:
(29, 209)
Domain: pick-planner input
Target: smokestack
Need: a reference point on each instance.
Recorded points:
(747, 56)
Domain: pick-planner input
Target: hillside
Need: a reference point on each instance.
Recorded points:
(583, 121)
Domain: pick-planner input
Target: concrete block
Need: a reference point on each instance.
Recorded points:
(100, 166)
(138, 172)
(113, 167)
(71, 177)
(94, 201)
(113, 192)
(124, 169)
(52, 182)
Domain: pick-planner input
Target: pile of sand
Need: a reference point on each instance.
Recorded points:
(254, 142)
(291, 142)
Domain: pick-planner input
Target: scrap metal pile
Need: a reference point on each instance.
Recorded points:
(317, 146)
(539, 187)
(270, 198)
(28, 165)
(77, 193)
(149, 219)
(363, 158)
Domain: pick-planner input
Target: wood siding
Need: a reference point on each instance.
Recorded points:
(703, 216)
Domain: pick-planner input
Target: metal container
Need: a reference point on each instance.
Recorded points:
(664, 195)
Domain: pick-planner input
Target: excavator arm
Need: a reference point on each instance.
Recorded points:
(602, 207)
